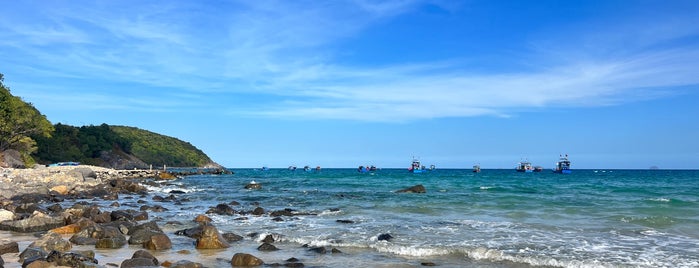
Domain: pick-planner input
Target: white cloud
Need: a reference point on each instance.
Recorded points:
(283, 50)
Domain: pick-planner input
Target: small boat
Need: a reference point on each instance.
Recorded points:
(563, 165)
(538, 168)
(524, 166)
(292, 168)
(265, 168)
(307, 168)
(365, 169)
(476, 169)
(416, 167)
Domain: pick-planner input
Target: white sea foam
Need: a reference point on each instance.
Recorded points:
(660, 199)
(486, 187)
(413, 251)
(166, 189)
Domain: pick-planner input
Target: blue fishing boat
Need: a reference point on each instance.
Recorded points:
(365, 169)
(563, 165)
(417, 167)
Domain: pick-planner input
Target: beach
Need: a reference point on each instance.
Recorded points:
(342, 218)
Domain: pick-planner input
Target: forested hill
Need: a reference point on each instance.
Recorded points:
(27, 137)
(118, 147)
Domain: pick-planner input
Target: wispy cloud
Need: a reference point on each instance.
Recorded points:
(284, 52)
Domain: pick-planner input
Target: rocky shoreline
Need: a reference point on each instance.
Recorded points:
(30, 204)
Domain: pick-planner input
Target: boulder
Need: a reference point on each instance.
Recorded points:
(32, 253)
(244, 259)
(85, 172)
(231, 237)
(267, 247)
(6, 215)
(109, 237)
(129, 215)
(36, 263)
(186, 264)
(8, 247)
(111, 242)
(68, 229)
(60, 189)
(211, 239)
(418, 189)
(141, 236)
(145, 254)
(201, 218)
(138, 262)
(158, 242)
(37, 222)
(221, 209)
(13, 159)
(71, 259)
(258, 211)
(268, 239)
(51, 241)
(194, 232)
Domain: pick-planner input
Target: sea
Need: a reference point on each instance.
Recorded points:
(495, 218)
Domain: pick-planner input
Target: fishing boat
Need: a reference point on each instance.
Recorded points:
(416, 167)
(524, 166)
(365, 169)
(563, 165)
(476, 168)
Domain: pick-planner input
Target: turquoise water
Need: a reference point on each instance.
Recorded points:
(496, 218)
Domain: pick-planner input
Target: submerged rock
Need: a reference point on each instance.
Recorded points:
(267, 247)
(418, 189)
(385, 237)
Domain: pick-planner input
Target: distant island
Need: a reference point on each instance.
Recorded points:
(27, 138)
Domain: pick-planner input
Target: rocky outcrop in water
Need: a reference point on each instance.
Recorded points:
(419, 189)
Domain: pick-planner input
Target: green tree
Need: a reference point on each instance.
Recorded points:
(19, 121)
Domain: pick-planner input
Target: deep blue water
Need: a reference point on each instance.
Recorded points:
(496, 218)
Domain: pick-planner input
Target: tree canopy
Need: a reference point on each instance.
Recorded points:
(19, 121)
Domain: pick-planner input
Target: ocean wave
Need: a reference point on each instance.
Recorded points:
(168, 188)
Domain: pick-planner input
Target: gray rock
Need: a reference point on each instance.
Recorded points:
(30, 253)
(38, 222)
(51, 242)
(71, 259)
(145, 254)
(231, 237)
(267, 247)
(138, 262)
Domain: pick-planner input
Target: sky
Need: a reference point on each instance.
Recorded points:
(613, 84)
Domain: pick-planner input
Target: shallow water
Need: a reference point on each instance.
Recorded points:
(496, 218)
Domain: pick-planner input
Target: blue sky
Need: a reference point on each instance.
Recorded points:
(614, 84)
